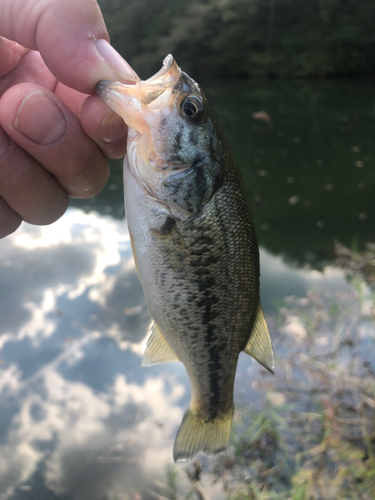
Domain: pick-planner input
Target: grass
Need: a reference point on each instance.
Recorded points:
(319, 444)
(314, 436)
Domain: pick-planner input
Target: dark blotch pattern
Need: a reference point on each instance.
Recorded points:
(203, 278)
(168, 226)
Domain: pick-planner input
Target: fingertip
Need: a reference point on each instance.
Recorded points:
(9, 219)
(50, 211)
(105, 127)
(91, 190)
(10, 55)
(112, 129)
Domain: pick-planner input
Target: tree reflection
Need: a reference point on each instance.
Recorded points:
(309, 179)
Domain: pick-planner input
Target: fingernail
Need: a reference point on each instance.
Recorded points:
(117, 64)
(4, 143)
(112, 128)
(39, 119)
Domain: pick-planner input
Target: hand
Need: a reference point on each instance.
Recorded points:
(54, 138)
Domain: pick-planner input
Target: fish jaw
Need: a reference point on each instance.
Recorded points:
(137, 102)
(131, 102)
(124, 100)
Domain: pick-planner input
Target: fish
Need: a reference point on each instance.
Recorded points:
(194, 246)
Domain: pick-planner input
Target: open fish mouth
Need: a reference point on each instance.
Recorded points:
(144, 91)
(132, 101)
(167, 74)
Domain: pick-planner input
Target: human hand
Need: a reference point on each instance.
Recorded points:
(54, 138)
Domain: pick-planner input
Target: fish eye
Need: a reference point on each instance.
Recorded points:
(192, 109)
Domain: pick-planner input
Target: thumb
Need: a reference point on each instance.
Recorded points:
(71, 37)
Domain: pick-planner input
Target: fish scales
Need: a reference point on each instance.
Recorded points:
(194, 244)
(215, 273)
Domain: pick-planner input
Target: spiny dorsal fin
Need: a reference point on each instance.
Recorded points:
(259, 344)
(157, 350)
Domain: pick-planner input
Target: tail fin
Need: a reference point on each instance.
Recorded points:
(198, 434)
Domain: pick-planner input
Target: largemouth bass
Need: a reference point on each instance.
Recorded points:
(194, 246)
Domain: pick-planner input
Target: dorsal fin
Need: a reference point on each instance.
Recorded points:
(157, 349)
(259, 344)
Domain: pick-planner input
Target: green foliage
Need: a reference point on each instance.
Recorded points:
(247, 37)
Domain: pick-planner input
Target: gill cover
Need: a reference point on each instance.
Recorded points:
(173, 150)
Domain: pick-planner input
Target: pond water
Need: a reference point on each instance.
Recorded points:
(79, 417)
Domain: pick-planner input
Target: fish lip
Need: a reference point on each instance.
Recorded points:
(147, 90)
(132, 102)
(108, 89)
(165, 79)
(157, 78)
(163, 72)
(101, 87)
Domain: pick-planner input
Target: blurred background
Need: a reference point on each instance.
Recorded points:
(292, 85)
(247, 38)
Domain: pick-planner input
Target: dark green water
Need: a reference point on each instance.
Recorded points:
(309, 173)
(79, 417)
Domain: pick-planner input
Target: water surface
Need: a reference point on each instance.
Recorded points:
(79, 417)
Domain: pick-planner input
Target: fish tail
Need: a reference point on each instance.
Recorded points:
(197, 433)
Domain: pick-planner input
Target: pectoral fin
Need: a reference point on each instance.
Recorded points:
(157, 350)
(259, 344)
(133, 250)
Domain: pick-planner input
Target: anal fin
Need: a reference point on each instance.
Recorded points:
(259, 345)
(157, 349)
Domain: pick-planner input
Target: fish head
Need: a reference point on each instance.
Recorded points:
(171, 133)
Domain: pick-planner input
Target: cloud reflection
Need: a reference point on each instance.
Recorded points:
(73, 299)
(79, 416)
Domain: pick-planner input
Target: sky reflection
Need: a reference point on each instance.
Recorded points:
(80, 418)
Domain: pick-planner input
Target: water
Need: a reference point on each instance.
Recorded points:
(80, 418)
